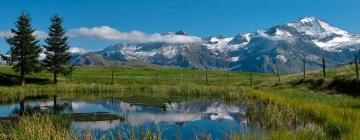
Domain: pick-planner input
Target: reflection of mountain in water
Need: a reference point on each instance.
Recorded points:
(174, 112)
(185, 119)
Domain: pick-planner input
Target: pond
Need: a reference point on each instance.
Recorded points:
(172, 120)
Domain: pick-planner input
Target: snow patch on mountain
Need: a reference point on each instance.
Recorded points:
(283, 35)
(307, 19)
(75, 50)
(234, 59)
(282, 58)
(278, 35)
(169, 51)
(72, 51)
(330, 29)
(334, 44)
(234, 47)
(218, 44)
(133, 52)
(309, 26)
(317, 28)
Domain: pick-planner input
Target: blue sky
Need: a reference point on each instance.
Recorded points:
(199, 17)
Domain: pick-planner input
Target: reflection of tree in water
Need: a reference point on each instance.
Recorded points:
(56, 108)
(59, 108)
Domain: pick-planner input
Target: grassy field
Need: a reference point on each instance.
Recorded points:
(332, 104)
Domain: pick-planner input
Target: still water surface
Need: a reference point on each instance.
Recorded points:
(173, 120)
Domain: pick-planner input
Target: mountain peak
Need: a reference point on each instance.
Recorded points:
(317, 28)
(182, 32)
(75, 50)
(309, 20)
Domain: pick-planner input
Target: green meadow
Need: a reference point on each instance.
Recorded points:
(290, 108)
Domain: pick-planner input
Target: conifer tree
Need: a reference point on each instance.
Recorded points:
(56, 49)
(24, 50)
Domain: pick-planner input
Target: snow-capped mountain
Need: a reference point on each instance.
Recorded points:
(324, 35)
(282, 45)
(75, 50)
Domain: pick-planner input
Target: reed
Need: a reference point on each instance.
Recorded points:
(37, 127)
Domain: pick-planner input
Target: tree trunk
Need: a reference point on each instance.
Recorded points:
(55, 103)
(55, 78)
(22, 77)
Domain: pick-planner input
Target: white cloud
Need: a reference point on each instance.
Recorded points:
(108, 33)
(112, 34)
(4, 34)
(39, 34)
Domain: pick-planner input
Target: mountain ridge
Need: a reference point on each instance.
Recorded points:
(283, 46)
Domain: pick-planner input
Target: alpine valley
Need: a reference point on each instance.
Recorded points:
(285, 46)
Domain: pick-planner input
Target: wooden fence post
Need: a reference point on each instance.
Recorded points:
(71, 73)
(157, 76)
(356, 67)
(181, 78)
(278, 73)
(112, 77)
(323, 66)
(251, 79)
(228, 76)
(206, 77)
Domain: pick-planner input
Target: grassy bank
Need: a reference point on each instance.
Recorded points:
(292, 108)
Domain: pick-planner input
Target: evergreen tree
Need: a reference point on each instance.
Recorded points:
(56, 49)
(24, 51)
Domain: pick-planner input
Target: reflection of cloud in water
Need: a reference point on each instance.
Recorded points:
(175, 112)
(201, 106)
(144, 117)
(79, 104)
(102, 125)
(103, 106)
(42, 104)
(126, 107)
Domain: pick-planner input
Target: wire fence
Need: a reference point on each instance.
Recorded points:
(163, 76)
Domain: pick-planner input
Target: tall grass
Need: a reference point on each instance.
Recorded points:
(37, 127)
(278, 114)
(273, 111)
